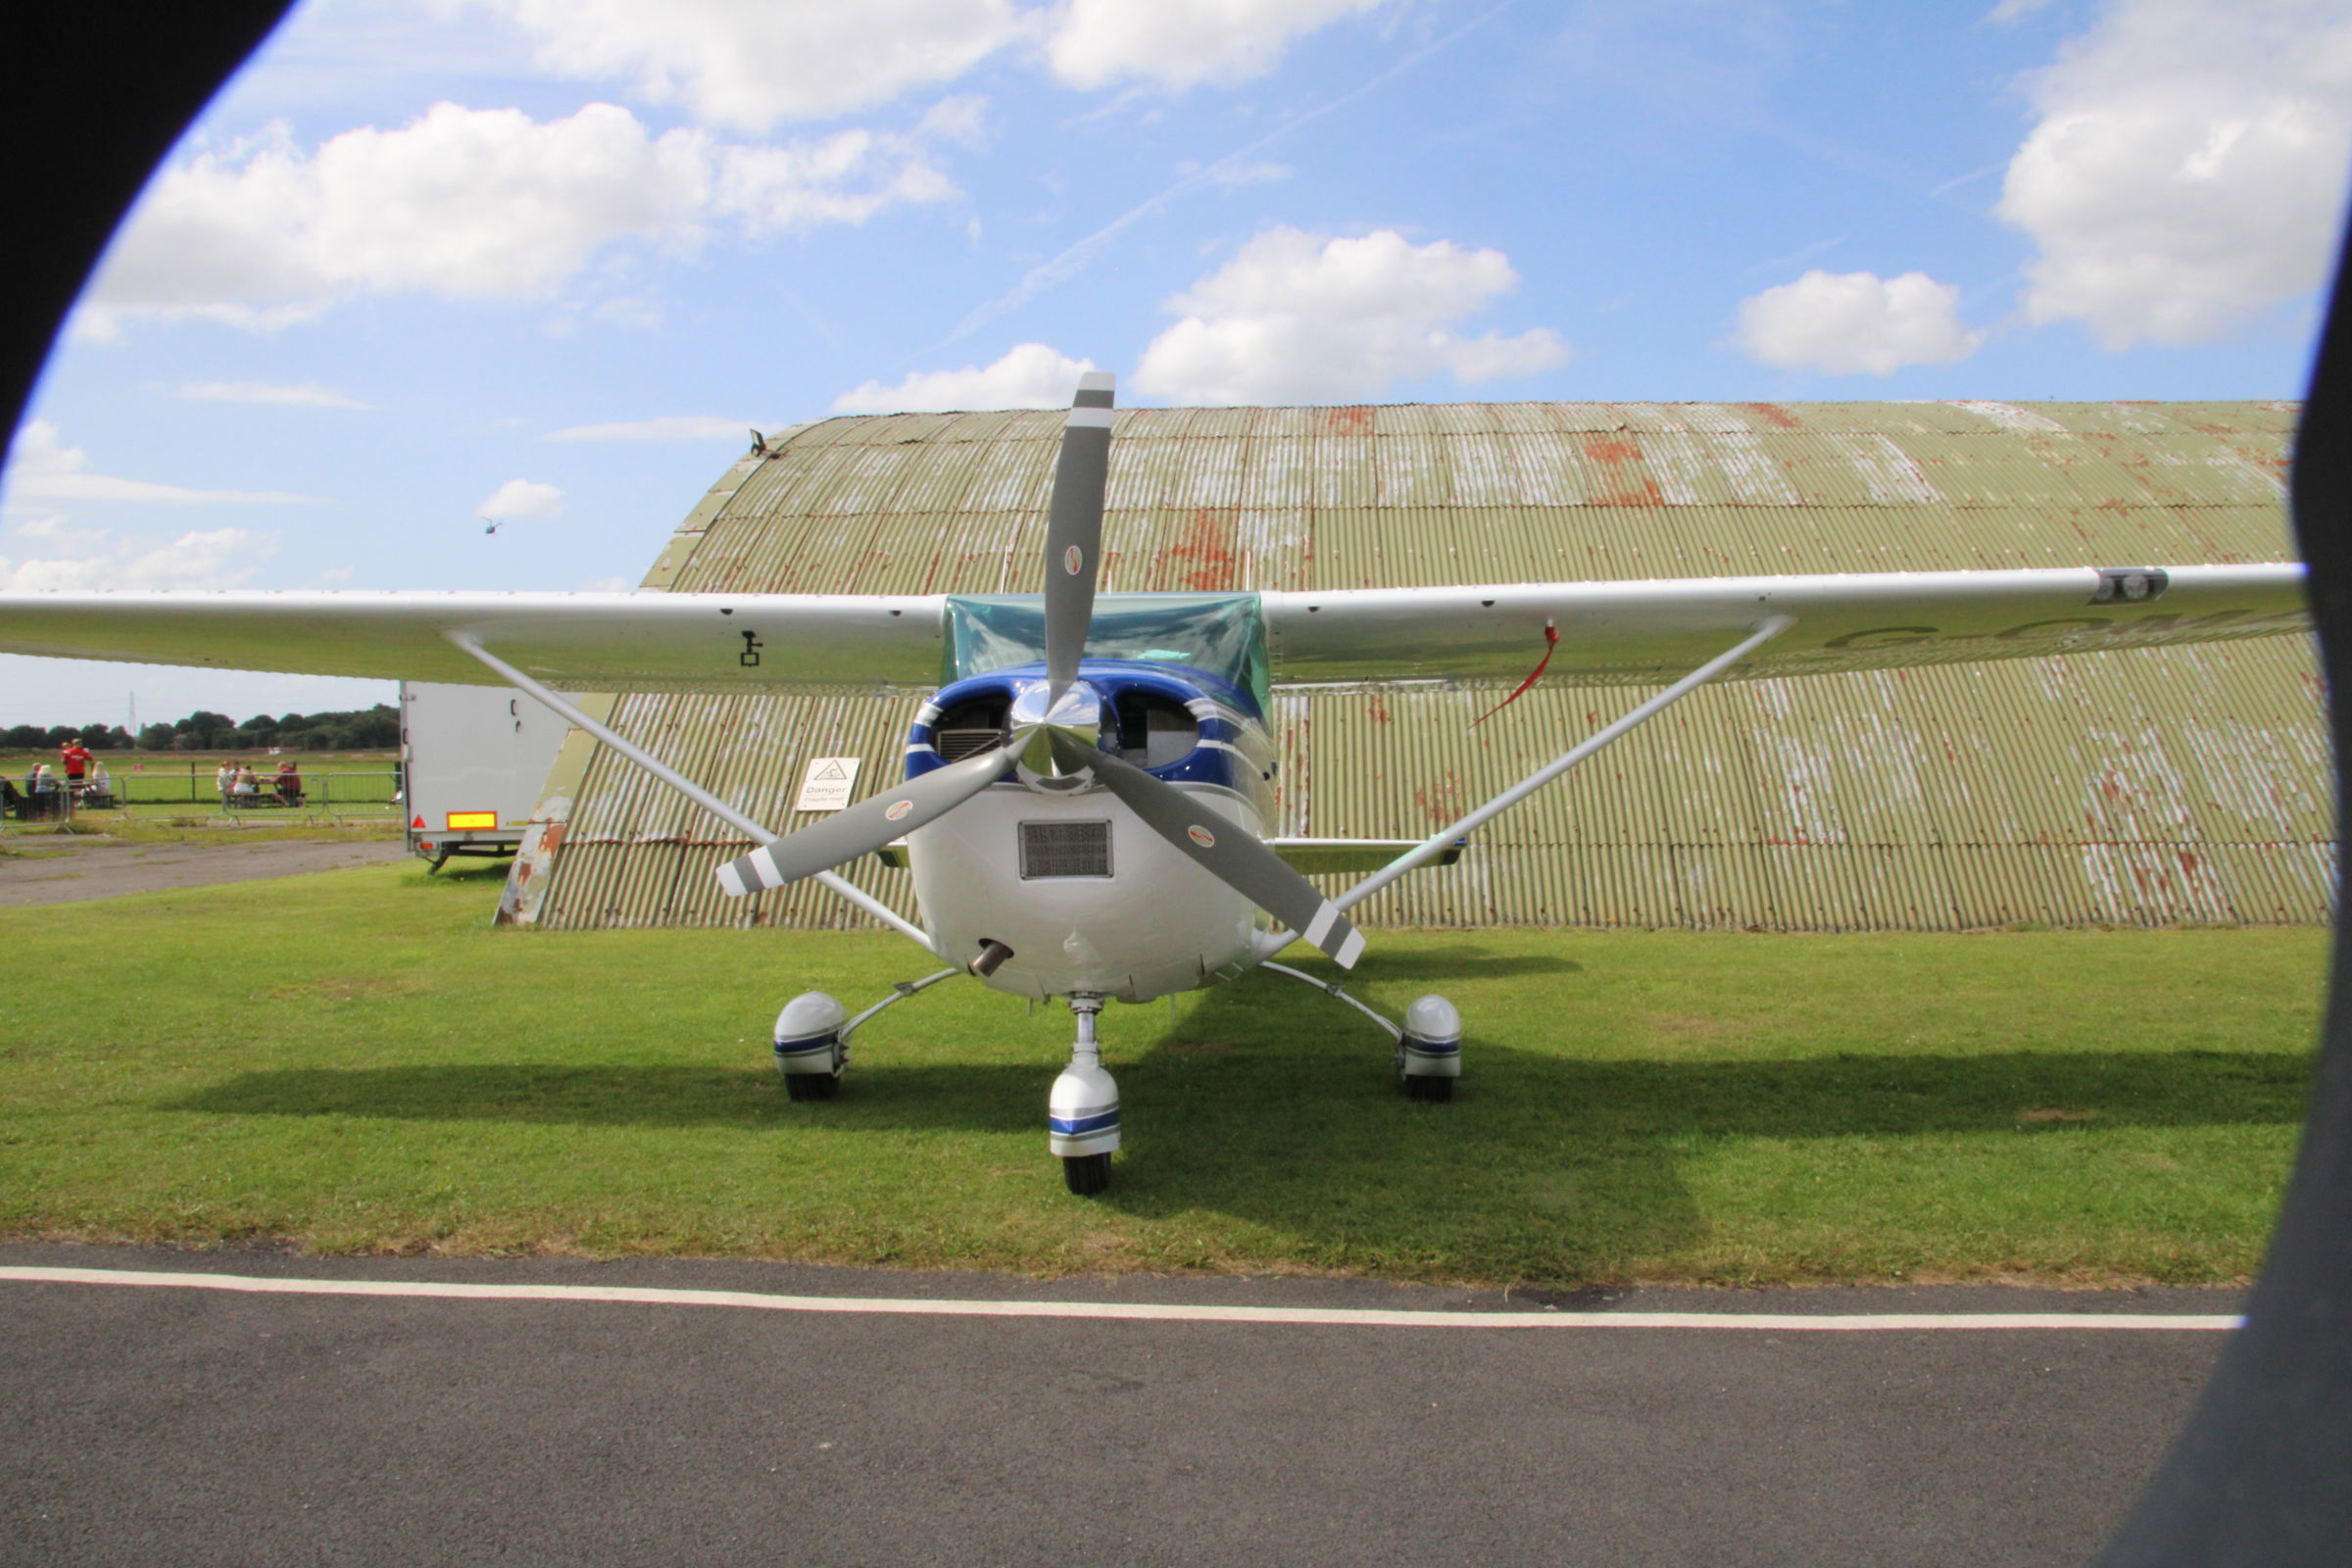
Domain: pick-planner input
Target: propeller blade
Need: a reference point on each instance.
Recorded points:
(865, 827)
(1074, 527)
(1222, 848)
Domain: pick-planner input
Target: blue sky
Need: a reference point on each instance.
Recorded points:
(427, 259)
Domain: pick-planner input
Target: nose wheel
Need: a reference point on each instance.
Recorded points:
(1085, 1174)
(1082, 1114)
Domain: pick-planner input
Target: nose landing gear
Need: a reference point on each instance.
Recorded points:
(1082, 1113)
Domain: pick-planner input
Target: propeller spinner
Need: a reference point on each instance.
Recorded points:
(1055, 725)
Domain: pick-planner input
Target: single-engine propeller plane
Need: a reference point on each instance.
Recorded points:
(1086, 804)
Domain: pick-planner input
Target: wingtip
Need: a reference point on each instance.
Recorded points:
(1099, 381)
(1351, 949)
(730, 880)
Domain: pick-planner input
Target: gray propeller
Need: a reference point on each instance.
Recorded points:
(865, 827)
(1046, 733)
(1073, 543)
(1223, 848)
(1074, 528)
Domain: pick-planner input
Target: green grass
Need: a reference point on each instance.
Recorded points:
(357, 1061)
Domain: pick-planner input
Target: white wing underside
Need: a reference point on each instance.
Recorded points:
(1609, 633)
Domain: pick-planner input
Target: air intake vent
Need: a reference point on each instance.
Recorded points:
(1065, 849)
(954, 744)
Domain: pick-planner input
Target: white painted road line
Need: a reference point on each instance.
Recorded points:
(1335, 1317)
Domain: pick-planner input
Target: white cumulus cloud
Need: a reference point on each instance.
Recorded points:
(2189, 166)
(473, 203)
(1180, 43)
(1029, 376)
(750, 64)
(309, 394)
(58, 532)
(216, 557)
(1299, 318)
(521, 498)
(843, 178)
(41, 465)
(667, 427)
(1844, 322)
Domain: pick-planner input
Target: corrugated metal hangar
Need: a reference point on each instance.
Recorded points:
(2131, 788)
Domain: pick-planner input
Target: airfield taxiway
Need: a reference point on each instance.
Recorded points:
(43, 868)
(158, 1423)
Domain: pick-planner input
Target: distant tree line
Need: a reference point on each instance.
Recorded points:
(372, 729)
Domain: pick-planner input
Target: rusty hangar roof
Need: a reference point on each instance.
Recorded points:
(2138, 788)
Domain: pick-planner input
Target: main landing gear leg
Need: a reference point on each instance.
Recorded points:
(1082, 1114)
(813, 1036)
(1429, 1043)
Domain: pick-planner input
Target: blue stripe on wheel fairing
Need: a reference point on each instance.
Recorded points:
(1079, 1126)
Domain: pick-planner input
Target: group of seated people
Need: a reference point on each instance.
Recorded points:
(46, 794)
(241, 786)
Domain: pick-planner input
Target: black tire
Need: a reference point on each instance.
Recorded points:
(812, 1085)
(1087, 1174)
(1439, 1089)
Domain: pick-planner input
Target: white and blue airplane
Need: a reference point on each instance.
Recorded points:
(1086, 806)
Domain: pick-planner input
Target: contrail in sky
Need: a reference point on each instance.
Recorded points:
(1075, 259)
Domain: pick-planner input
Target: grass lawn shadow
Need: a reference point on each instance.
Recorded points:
(388, 1070)
(1266, 1109)
(982, 1098)
(1585, 1165)
(1454, 961)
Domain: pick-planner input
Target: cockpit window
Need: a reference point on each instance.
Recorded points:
(1223, 634)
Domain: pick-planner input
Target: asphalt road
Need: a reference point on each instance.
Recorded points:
(191, 1427)
(56, 868)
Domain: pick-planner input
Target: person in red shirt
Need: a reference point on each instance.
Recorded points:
(77, 758)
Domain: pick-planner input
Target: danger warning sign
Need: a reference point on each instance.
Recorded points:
(826, 786)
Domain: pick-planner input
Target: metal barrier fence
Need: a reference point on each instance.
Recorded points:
(370, 793)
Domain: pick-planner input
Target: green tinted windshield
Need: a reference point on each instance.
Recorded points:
(1220, 633)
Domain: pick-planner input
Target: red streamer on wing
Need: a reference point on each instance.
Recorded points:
(1552, 640)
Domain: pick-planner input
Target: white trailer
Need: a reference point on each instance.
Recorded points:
(474, 763)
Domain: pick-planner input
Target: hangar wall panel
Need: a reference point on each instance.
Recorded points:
(2143, 788)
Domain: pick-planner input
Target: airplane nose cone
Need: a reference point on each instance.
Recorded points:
(1078, 715)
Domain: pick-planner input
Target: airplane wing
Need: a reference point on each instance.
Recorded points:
(1608, 632)
(572, 642)
(1649, 633)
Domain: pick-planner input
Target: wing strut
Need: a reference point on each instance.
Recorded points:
(1440, 842)
(683, 785)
